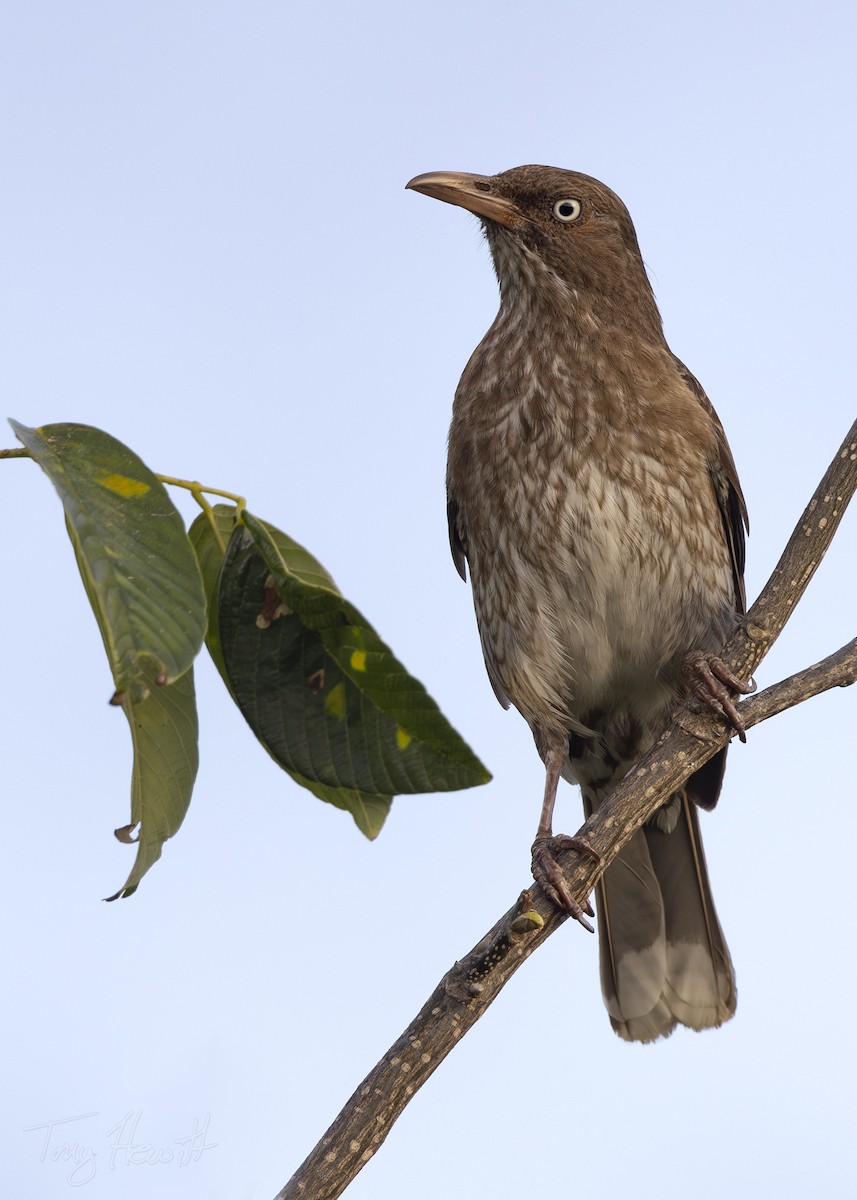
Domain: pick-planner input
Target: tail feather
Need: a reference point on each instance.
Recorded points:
(664, 959)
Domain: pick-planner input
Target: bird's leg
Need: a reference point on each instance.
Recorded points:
(709, 678)
(546, 870)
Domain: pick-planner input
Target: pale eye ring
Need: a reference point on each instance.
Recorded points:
(567, 210)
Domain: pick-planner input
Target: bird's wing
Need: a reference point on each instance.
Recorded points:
(730, 498)
(459, 557)
(456, 540)
(704, 786)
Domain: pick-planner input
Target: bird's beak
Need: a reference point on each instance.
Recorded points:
(477, 193)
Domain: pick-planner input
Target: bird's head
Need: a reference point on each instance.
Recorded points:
(557, 233)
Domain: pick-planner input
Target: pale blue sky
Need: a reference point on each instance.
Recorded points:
(207, 250)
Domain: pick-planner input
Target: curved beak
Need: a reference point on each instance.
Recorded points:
(476, 193)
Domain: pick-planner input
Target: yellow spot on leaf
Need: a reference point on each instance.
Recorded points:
(334, 701)
(358, 660)
(403, 740)
(123, 485)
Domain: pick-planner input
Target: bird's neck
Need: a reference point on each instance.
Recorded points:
(614, 298)
(553, 349)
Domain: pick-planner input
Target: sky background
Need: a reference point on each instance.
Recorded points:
(207, 250)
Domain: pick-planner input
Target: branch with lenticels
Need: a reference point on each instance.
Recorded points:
(694, 736)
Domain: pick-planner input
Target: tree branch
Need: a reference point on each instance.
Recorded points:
(471, 985)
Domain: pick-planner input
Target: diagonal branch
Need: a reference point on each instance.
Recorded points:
(471, 985)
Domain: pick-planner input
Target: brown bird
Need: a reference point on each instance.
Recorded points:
(592, 493)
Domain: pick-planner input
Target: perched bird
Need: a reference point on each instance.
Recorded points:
(593, 496)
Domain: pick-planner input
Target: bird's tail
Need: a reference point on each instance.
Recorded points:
(664, 960)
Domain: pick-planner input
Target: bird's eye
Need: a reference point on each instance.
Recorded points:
(567, 210)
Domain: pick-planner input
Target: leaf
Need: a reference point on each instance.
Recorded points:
(320, 689)
(132, 550)
(143, 583)
(369, 810)
(164, 731)
(209, 537)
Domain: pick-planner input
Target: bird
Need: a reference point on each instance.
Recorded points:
(594, 500)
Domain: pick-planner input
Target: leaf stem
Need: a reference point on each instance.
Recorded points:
(198, 490)
(18, 453)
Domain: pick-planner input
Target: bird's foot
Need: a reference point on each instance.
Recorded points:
(546, 871)
(712, 681)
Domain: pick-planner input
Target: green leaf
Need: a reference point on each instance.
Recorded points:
(209, 535)
(369, 811)
(164, 731)
(320, 689)
(132, 550)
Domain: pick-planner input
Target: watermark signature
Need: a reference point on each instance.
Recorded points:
(85, 1147)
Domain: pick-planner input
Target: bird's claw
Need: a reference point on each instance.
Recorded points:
(546, 871)
(710, 680)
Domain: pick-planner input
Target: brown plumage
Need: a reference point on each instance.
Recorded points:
(594, 498)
